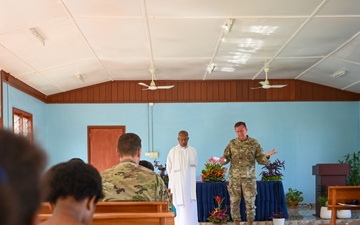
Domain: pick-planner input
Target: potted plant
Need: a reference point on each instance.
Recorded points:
(278, 218)
(214, 171)
(219, 215)
(353, 179)
(272, 171)
(322, 200)
(293, 198)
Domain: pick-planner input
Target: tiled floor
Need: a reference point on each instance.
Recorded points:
(305, 215)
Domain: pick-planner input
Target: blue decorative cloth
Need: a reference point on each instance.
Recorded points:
(270, 198)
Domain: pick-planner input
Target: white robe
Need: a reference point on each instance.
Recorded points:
(181, 167)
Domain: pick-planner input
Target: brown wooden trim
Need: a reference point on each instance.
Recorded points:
(1, 100)
(18, 84)
(203, 91)
(190, 91)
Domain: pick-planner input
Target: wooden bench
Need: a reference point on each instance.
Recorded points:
(115, 207)
(109, 213)
(154, 218)
(342, 194)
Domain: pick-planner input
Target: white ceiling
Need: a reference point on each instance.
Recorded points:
(108, 40)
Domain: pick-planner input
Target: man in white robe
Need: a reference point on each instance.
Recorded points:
(181, 168)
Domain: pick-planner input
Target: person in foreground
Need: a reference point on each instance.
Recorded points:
(242, 152)
(181, 167)
(128, 181)
(72, 188)
(22, 164)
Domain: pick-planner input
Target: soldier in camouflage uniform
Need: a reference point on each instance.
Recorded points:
(242, 152)
(128, 181)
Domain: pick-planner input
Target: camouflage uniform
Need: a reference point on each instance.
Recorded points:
(128, 181)
(242, 174)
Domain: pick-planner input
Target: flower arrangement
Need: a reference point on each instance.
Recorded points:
(272, 171)
(162, 170)
(219, 216)
(277, 215)
(214, 171)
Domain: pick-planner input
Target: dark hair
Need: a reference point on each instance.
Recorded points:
(128, 144)
(23, 163)
(146, 164)
(73, 178)
(238, 124)
(183, 132)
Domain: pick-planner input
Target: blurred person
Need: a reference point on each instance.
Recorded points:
(22, 164)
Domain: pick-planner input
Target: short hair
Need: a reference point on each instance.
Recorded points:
(146, 164)
(128, 144)
(240, 123)
(7, 206)
(23, 163)
(183, 132)
(73, 178)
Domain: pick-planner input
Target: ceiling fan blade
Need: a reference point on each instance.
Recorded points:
(256, 87)
(143, 84)
(165, 87)
(278, 86)
(262, 82)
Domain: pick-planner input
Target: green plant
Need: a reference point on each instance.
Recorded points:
(323, 195)
(293, 197)
(214, 171)
(272, 171)
(322, 200)
(353, 179)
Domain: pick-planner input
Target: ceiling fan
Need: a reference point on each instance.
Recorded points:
(266, 84)
(152, 86)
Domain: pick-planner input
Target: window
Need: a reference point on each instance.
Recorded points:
(22, 123)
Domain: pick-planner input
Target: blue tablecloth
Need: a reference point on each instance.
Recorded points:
(270, 198)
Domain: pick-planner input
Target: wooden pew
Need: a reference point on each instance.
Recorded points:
(109, 213)
(115, 207)
(154, 218)
(342, 195)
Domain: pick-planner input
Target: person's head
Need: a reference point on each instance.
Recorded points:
(241, 130)
(74, 178)
(73, 181)
(7, 205)
(23, 163)
(129, 145)
(183, 138)
(146, 164)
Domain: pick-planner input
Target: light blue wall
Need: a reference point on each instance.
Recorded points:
(12, 97)
(304, 133)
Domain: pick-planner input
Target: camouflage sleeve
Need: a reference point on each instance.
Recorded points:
(260, 155)
(163, 192)
(227, 154)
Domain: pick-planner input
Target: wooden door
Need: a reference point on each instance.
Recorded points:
(102, 145)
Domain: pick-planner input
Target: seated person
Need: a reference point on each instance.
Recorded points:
(22, 164)
(146, 164)
(127, 181)
(72, 188)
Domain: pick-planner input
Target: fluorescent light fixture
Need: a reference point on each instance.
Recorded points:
(228, 26)
(339, 73)
(37, 35)
(80, 77)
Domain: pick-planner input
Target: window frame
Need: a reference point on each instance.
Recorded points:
(23, 114)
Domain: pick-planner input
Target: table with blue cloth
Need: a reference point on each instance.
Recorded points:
(270, 198)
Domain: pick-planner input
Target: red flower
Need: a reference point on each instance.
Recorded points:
(218, 199)
(219, 216)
